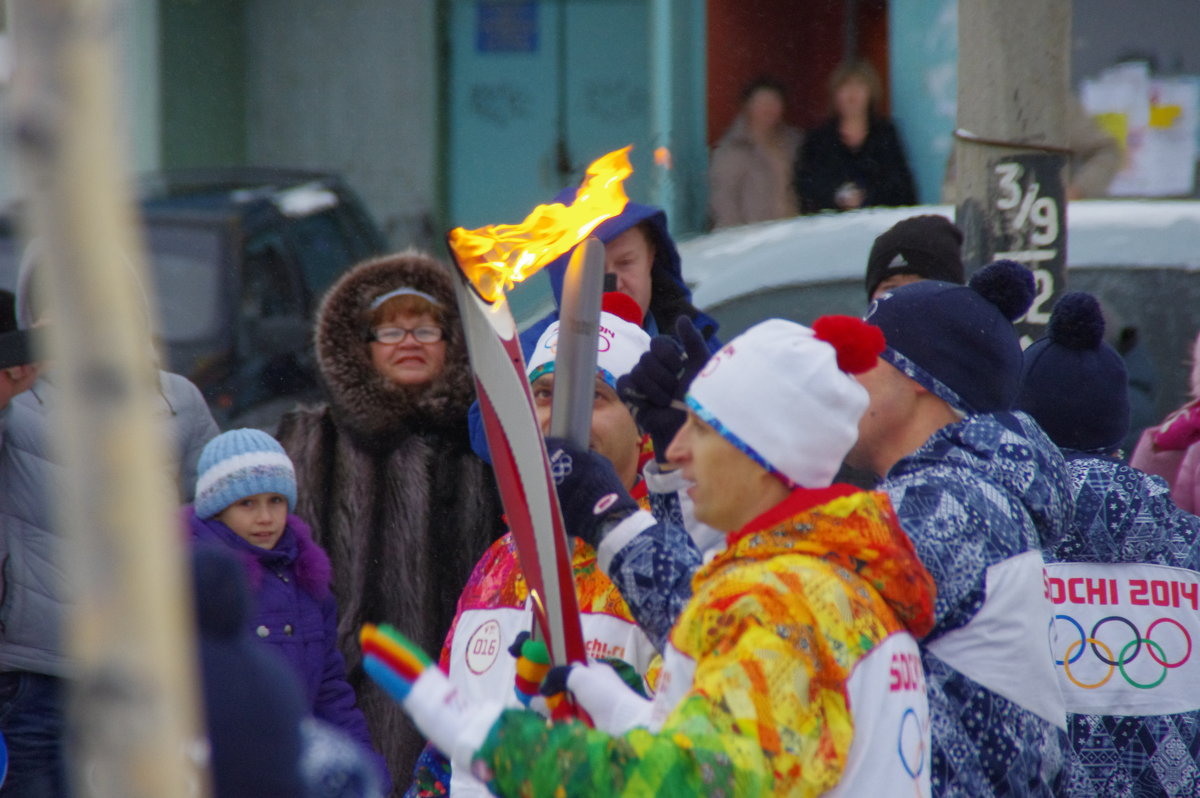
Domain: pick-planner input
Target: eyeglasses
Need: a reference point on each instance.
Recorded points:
(394, 335)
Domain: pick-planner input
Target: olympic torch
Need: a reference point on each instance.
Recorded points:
(490, 261)
(575, 356)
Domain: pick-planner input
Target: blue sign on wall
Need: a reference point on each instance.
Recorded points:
(923, 44)
(506, 26)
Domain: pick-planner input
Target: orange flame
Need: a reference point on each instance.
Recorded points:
(496, 257)
(662, 157)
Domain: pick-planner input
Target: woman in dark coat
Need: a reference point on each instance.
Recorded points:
(854, 160)
(384, 470)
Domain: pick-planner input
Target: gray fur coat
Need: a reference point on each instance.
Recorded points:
(387, 480)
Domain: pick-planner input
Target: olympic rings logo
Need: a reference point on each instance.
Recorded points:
(1127, 654)
(911, 744)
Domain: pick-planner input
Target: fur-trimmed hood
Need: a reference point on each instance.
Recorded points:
(374, 411)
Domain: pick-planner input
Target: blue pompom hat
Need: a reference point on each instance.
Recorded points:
(958, 341)
(1075, 385)
(241, 463)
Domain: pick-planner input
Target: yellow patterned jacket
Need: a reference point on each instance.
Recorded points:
(793, 671)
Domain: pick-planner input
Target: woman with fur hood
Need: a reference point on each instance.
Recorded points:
(385, 473)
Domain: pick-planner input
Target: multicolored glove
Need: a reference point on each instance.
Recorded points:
(613, 706)
(533, 660)
(655, 388)
(404, 671)
(591, 495)
(1180, 430)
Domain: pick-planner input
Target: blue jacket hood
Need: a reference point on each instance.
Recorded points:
(666, 258)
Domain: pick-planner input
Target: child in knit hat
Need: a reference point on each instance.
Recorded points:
(245, 489)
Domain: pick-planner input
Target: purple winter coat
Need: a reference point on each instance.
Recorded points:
(296, 613)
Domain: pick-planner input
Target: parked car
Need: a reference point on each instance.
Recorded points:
(239, 259)
(1140, 257)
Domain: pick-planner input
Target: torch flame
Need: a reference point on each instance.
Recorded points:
(496, 257)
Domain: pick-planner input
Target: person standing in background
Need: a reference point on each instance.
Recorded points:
(384, 471)
(750, 179)
(855, 159)
(35, 598)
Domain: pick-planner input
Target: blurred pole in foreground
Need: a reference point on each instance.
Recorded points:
(1014, 59)
(133, 717)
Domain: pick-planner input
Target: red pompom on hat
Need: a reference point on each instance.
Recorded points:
(857, 343)
(623, 306)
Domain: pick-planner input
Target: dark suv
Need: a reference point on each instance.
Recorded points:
(239, 260)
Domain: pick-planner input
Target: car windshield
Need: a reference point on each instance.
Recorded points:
(325, 247)
(10, 260)
(187, 285)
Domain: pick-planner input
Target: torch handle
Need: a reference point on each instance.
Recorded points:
(578, 331)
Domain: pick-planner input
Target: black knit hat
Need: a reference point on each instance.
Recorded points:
(929, 246)
(958, 341)
(1074, 384)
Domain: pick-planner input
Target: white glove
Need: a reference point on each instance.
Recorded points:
(614, 707)
(457, 729)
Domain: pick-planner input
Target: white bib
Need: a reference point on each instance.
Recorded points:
(482, 668)
(1124, 637)
(1006, 645)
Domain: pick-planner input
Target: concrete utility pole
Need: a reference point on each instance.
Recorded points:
(133, 715)
(1013, 90)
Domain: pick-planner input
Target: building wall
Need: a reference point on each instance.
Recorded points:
(137, 59)
(351, 87)
(203, 99)
(140, 52)
(923, 37)
(798, 42)
(924, 56)
(1106, 31)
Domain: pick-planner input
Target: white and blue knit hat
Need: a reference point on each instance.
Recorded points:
(784, 394)
(241, 463)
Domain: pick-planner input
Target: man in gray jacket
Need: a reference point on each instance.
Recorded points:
(34, 597)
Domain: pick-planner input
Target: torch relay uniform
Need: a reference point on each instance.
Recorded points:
(784, 672)
(389, 484)
(1125, 579)
(980, 499)
(494, 608)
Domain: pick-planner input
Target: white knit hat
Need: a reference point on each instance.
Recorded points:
(782, 393)
(618, 347)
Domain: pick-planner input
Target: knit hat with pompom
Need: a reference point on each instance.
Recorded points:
(958, 341)
(783, 394)
(1074, 384)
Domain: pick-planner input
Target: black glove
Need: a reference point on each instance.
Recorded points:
(655, 388)
(591, 495)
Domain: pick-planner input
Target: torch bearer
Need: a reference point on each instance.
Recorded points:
(490, 261)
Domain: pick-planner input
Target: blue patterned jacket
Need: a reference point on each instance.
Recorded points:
(1123, 515)
(979, 500)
